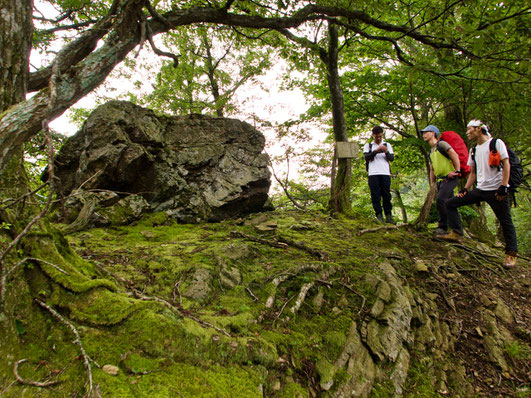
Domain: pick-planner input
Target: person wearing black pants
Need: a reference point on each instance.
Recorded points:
(492, 182)
(380, 187)
(500, 207)
(377, 155)
(445, 170)
(445, 191)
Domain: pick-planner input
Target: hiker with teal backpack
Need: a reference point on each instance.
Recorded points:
(491, 171)
(445, 168)
(377, 156)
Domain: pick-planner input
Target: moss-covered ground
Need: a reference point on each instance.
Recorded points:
(180, 310)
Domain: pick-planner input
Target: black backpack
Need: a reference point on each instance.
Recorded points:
(517, 173)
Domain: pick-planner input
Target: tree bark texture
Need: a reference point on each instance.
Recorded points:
(422, 219)
(16, 31)
(340, 189)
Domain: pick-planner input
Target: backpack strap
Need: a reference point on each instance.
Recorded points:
(492, 145)
(442, 152)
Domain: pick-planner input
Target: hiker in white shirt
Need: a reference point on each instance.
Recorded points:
(377, 156)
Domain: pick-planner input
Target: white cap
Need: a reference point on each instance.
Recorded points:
(479, 123)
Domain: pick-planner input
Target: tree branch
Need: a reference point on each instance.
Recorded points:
(30, 382)
(86, 358)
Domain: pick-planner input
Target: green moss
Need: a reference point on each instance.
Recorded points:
(292, 390)
(68, 274)
(184, 380)
(98, 306)
(326, 371)
(268, 348)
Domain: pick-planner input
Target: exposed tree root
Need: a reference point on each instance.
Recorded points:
(82, 218)
(381, 228)
(31, 382)
(302, 295)
(277, 281)
(86, 358)
(140, 296)
(3, 279)
(256, 239)
(281, 243)
(301, 246)
(281, 278)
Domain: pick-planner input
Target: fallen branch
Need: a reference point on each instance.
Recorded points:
(251, 293)
(381, 228)
(31, 382)
(281, 243)
(176, 289)
(282, 309)
(27, 195)
(259, 240)
(302, 246)
(356, 293)
(141, 296)
(86, 358)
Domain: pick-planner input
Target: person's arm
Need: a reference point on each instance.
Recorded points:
(369, 155)
(390, 156)
(506, 171)
(454, 157)
(469, 182)
(501, 193)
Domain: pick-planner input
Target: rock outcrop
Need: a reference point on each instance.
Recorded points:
(195, 168)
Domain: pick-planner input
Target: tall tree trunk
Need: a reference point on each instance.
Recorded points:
(340, 189)
(211, 72)
(16, 32)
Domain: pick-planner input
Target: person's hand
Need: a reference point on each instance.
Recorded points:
(462, 193)
(453, 174)
(382, 148)
(501, 193)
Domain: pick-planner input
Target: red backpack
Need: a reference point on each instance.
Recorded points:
(458, 145)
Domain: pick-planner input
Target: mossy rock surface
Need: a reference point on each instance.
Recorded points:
(316, 307)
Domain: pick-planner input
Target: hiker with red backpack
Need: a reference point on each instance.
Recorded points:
(377, 156)
(492, 187)
(445, 168)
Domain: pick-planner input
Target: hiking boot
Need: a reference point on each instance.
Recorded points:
(379, 217)
(452, 236)
(389, 219)
(510, 260)
(440, 231)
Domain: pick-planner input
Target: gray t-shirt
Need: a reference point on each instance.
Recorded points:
(443, 146)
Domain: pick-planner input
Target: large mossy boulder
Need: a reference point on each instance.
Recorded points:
(195, 167)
